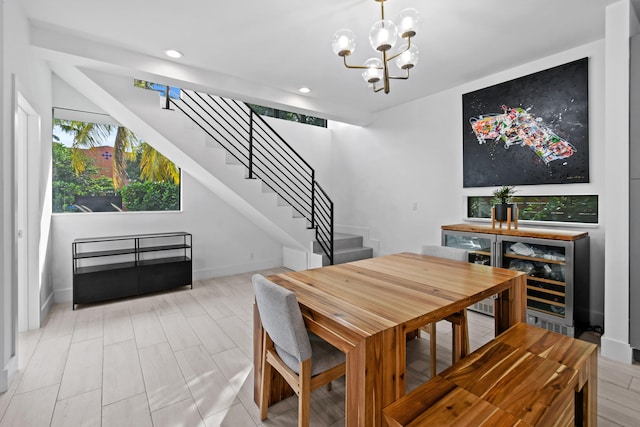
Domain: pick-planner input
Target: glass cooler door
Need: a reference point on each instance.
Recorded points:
(546, 268)
(480, 247)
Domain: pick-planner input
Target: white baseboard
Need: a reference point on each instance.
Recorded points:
(7, 374)
(45, 308)
(62, 295)
(616, 350)
(229, 270)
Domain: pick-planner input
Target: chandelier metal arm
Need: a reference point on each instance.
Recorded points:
(357, 67)
(395, 55)
(363, 67)
(401, 77)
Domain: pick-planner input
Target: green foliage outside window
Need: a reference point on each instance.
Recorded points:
(67, 185)
(288, 115)
(151, 196)
(154, 179)
(583, 209)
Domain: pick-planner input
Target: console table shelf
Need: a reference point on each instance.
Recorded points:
(107, 268)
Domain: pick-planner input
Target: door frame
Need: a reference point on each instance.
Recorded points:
(26, 157)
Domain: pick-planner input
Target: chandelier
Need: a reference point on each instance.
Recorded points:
(383, 37)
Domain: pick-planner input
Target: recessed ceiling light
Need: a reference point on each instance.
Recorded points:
(172, 53)
(304, 90)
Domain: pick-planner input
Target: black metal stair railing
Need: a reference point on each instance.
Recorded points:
(247, 137)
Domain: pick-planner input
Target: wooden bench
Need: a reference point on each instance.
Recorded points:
(526, 376)
(574, 353)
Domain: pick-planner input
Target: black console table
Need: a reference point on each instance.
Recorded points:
(116, 267)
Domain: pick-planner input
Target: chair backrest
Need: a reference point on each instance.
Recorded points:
(448, 252)
(281, 318)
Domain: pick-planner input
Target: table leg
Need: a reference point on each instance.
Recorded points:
(511, 305)
(375, 377)
(394, 374)
(590, 392)
(361, 381)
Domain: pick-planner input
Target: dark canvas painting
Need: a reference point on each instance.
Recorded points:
(530, 130)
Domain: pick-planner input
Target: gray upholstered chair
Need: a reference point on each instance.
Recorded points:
(303, 359)
(460, 330)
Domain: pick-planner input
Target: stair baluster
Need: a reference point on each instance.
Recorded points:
(247, 137)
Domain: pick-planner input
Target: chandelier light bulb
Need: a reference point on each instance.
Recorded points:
(383, 35)
(373, 73)
(409, 22)
(409, 58)
(343, 42)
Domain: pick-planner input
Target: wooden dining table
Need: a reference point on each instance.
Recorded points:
(366, 308)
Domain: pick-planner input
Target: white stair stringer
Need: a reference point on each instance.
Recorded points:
(188, 147)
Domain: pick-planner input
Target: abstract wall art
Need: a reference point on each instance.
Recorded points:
(530, 130)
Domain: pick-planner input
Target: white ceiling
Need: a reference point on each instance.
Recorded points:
(263, 51)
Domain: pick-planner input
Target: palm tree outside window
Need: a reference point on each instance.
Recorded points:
(102, 167)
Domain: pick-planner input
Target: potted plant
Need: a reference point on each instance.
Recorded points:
(502, 199)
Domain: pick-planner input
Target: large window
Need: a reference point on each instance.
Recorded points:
(288, 115)
(174, 92)
(101, 167)
(582, 209)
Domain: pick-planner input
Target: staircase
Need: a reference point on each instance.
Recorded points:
(268, 157)
(233, 152)
(249, 141)
(346, 248)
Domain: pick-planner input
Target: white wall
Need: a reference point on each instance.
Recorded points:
(7, 340)
(23, 72)
(224, 242)
(620, 21)
(413, 154)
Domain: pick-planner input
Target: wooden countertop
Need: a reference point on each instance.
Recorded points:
(539, 233)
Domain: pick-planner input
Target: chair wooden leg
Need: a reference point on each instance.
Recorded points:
(466, 348)
(304, 395)
(432, 344)
(456, 345)
(265, 392)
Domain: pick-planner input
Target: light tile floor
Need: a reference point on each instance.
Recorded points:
(184, 358)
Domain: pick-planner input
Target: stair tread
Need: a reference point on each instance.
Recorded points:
(348, 255)
(348, 250)
(353, 249)
(342, 241)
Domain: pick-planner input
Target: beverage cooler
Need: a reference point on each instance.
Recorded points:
(555, 261)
